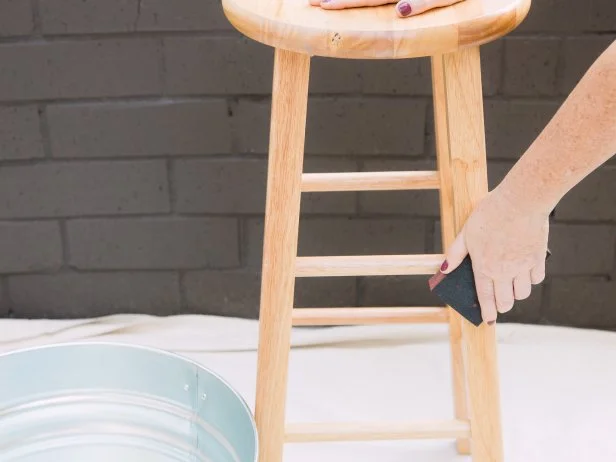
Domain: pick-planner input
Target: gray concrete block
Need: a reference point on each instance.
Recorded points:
(15, 17)
(218, 293)
(420, 203)
(413, 77)
(325, 292)
(86, 295)
(5, 305)
(251, 126)
(342, 126)
(579, 53)
(351, 113)
(237, 293)
(340, 76)
(373, 126)
(491, 67)
(219, 186)
(20, 136)
(568, 16)
(581, 250)
(602, 15)
(88, 17)
(153, 243)
(511, 126)
(83, 188)
(345, 236)
(238, 186)
(437, 239)
(139, 129)
(594, 198)
(396, 291)
(527, 311)
(181, 15)
(397, 77)
(217, 65)
(30, 246)
(582, 302)
(102, 16)
(79, 69)
(531, 66)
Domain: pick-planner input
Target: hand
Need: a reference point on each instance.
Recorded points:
(404, 8)
(507, 246)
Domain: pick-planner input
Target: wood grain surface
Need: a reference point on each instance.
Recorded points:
(375, 32)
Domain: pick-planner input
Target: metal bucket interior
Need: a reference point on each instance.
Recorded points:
(118, 403)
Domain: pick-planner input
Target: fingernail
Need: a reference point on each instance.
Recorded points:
(444, 266)
(405, 8)
(491, 323)
(325, 1)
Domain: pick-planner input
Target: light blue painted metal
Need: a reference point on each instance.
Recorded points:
(106, 402)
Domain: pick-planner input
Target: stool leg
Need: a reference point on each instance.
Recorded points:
(448, 235)
(285, 164)
(467, 152)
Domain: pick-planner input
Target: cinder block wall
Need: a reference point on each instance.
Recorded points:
(133, 140)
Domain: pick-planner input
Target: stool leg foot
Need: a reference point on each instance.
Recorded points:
(448, 234)
(467, 153)
(285, 164)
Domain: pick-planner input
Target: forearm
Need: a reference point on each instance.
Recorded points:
(580, 137)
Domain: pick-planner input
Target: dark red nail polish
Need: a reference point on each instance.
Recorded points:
(444, 266)
(405, 9)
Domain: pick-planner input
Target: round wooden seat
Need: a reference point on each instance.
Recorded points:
(376, 32)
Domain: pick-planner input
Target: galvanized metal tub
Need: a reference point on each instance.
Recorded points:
(110, 402)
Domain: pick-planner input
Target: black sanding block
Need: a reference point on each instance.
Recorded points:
(457, 289)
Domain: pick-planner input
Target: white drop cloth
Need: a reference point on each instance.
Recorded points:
(557, 385)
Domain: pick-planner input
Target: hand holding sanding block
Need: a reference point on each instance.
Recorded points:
(457, 289)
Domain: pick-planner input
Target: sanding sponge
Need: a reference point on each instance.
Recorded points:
(457, 289)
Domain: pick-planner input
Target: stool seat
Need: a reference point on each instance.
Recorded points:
(375, 32)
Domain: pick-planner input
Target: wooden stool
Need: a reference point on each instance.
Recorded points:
(451, 36)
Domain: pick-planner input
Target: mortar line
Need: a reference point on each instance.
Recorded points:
(171, 189)
(36, 21)
(182, 288)
(66, 257)
(45, 133)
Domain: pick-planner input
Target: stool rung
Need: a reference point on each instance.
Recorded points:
(364, 316)
(367, 265)
(369, 181)
(329, 432)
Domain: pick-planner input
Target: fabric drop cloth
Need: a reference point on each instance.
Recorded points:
(557, 384)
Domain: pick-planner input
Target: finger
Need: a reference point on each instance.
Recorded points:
(485, 294)
(537, 273)
(503, 292)
(315, 2)
(343, 4)
(522, 286)
(455, 254)
(406, 8)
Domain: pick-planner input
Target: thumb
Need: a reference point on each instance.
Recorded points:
(455, 254)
